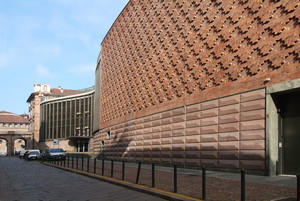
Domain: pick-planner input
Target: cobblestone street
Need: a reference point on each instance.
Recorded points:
(23, 180)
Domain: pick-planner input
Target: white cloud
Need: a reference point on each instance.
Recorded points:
(42, 71)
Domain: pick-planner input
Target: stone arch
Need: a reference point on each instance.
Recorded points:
(3, 146)
(10, 139)
(18, 144)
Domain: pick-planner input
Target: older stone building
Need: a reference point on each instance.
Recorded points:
(42, 91)
(195, 83)
(14, 134)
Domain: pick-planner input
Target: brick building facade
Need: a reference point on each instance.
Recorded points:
(201, 83)
(14, 134)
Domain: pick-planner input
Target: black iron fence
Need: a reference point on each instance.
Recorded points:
(109, 167)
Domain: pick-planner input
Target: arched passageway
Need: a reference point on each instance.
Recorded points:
(3, 147)
(19, 144)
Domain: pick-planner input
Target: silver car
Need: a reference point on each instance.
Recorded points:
(33, 155)
(54, 154)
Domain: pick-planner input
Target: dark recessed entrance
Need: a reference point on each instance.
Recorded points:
(288, 105)
(81, 143)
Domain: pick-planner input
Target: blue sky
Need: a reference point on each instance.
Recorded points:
(50, 41)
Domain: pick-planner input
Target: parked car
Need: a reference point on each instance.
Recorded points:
(32, 154)
(53, 154)
(22, 152)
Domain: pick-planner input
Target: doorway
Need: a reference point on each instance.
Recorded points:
(288, 107)
(82, 146)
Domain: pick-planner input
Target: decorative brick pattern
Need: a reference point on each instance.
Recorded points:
(160, 55)
(168, 72)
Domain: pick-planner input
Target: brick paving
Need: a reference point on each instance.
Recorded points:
(190, 184)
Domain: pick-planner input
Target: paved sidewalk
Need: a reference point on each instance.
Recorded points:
(220, 185)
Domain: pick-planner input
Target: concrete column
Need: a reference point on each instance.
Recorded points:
(272, 133)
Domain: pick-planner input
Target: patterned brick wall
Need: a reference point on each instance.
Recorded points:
(227, 132)
(159, 55)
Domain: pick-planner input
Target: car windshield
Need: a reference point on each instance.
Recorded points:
(34, 153)
(56, 150)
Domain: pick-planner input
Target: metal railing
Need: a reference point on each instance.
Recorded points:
(109, 167)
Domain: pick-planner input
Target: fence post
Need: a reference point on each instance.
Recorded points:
(203, 183)
(298, 187)
(82, 161)
(64, 162)
(72, 162)
(123, 170)
(153, 175)
(88, 164)
(138, 173)
(102, 167)
(112, 169)
(95, 160)
(175, 178)
(76, 163)
(243, 187)
(68, 160)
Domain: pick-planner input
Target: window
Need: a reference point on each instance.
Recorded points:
(45, 88)
(16, 125)
(108, 135)
(9, 125)
(4, 124)
(21, 125)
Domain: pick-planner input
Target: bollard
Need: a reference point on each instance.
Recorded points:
(82, 162)
(153, 175)
(95, 159)
(138, 173)
(298, 187)
(76, 163)
(175, 178)
(64, 162)
(243, 186)
(112, 169)
(88, 165)
(68, 160)
(102, 167)
(123, 170)
(203, 183)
